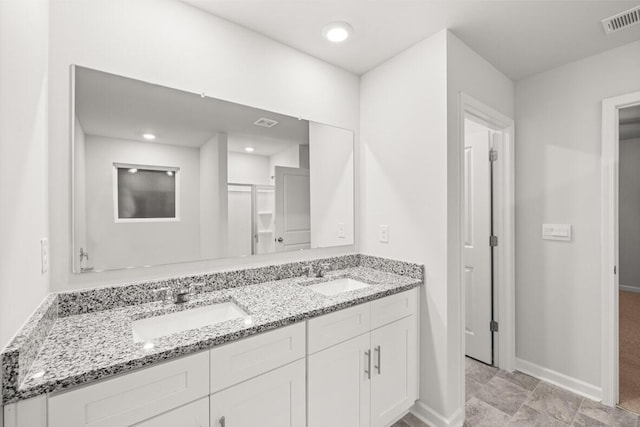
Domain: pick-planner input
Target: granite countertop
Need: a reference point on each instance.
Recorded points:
(83, 348)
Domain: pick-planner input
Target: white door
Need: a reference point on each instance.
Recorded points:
(292, 213)
(339, 384)
(394, 371)
(195, 414)
(477, 249)
(274, 399)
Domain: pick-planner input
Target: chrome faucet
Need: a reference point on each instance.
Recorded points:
(322, 269)
(309, 270)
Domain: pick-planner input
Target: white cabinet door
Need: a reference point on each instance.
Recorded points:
(394, 382)
(195, 414)
(274, 399)
(339, 384)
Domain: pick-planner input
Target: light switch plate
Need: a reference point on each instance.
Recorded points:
(556, 232)
(44, 254)
(384, 233)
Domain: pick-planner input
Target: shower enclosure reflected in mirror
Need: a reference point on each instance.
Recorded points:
(164, 176)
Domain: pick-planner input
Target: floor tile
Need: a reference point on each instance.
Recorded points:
(412, 421)
(583, 420)
(478, 371)
(554, 401)
(518, 378)
(481, 414)
(612, 417)
(503, 395)
(529, 417)
(471, 388)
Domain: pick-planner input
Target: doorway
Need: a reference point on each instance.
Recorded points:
(479, 237)
(487, 225)
(621, 243)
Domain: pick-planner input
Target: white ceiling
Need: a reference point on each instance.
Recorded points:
(519, 37)
(119, 107)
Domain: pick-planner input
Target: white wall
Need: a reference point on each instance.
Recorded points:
(172, 44)
(331, 177)
(558, 146)
(289, 157)
(410, 134)
(248, 169)
(118, 245)
(24, 55)
(404, 134)
(629, 212)
(213, 197)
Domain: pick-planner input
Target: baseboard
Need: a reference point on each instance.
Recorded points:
(629, 288)
(556, 378)
(433, 419)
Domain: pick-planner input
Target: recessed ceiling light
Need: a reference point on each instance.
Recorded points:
(149, 136)
(133, 170)
(337, 32)
(249, 149)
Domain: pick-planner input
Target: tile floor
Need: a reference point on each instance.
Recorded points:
(497, 398)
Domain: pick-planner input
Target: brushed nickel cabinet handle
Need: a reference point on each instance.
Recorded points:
(378, 350)
(368, 370)
(222, 421)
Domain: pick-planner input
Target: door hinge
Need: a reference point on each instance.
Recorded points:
(493, 241)
(493, 326)
(493, 155)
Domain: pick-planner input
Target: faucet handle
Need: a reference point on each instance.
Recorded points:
(161, 294)
(196, 288)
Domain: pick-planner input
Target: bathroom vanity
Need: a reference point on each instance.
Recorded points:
(298, 351)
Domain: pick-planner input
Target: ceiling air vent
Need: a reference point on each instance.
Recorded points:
(621, 20)
(265, 123)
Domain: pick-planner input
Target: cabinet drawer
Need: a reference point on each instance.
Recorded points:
(334, 328)
(195, 414)
(238, 361)
(133, 397)
(388, 309)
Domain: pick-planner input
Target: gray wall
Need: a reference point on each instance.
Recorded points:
(630, 213)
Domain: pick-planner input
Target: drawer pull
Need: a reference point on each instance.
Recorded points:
(378, 366)
(222, 422)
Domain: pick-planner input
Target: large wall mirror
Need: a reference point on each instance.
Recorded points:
(165, 176)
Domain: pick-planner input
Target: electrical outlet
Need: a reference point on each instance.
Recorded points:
(341, 230)
(384, 234)
(44, 254)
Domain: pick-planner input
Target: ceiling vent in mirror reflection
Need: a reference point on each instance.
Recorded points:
(265, 123)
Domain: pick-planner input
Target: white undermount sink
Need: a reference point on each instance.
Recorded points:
(158, 326)
(337, 286)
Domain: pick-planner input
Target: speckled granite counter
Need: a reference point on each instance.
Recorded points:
(81, 348)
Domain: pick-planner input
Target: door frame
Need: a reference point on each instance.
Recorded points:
(504, 226)
(609, 247)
